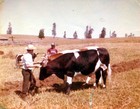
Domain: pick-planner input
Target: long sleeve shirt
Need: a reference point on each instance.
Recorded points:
(27, 61)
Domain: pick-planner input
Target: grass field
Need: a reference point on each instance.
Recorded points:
(122, 93)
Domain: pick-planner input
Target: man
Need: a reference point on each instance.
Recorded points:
(52, 50)
(29, 82)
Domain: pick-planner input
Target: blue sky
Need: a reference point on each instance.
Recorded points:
(29, 16)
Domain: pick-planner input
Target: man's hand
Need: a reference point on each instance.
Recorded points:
(37, 66)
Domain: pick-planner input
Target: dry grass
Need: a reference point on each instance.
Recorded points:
(121, 93)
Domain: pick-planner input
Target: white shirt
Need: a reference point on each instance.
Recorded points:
(27, 61)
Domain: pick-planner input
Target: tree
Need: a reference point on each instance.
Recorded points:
(113, 35)
(9, 30)
(64, 34)
(103, 33)
(75, 36)
(54, 30)
(88, 32)
(41, 34)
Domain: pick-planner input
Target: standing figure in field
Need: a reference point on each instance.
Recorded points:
(29, 82)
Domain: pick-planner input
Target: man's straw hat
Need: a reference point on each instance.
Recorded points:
(30, 47)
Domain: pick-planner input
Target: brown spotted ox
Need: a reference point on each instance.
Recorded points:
(18, 59)
(88, 61)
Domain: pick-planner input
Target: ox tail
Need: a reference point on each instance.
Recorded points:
(109, 71)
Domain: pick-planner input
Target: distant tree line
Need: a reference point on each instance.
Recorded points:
(88, 32)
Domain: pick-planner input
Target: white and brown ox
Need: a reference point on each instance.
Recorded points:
(18, 59)
(88, 61)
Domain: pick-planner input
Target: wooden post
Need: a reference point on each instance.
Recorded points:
(12, 38)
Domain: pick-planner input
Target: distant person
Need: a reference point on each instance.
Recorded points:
(29, 82)
(103, 33)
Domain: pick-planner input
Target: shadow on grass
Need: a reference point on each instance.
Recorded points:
(75, 86)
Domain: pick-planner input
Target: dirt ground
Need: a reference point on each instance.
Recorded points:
(53, 83)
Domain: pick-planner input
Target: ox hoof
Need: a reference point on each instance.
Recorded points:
(103, 86)
(67, 92)
(94, 87)
(24, 97)
(85, 85)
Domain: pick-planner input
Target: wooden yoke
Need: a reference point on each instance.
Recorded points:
(47, 58)
(52, 57)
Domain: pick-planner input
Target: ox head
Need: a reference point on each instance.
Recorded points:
(43, 73)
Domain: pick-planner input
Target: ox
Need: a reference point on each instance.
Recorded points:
(88, 61)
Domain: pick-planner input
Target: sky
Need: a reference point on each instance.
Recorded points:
(29, 16)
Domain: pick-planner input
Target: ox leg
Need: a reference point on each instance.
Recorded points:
(68, 84)
(90, 76)
(64, 81)
(97, 77)
(104, 74)
(87, 81)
